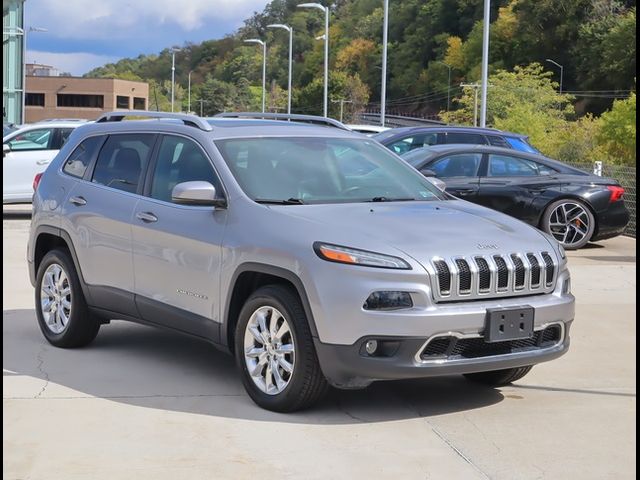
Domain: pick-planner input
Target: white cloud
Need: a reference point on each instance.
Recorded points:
(129, 18)
(74, 63)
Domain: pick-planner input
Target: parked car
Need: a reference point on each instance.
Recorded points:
(263, 239)
(28, 151)
(404, 139)
(368, 130)
(572, 205)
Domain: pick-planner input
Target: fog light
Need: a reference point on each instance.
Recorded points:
(388, 301)
(371, 346)
(566, 286)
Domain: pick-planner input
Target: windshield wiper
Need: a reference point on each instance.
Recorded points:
(289, 201)
(389, 199)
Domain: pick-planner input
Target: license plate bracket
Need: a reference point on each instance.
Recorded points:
(504, 324)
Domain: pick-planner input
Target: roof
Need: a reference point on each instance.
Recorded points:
(443, 128)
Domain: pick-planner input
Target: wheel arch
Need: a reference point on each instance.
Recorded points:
(247, 278)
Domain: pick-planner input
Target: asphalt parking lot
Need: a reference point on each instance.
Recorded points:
(143, 403)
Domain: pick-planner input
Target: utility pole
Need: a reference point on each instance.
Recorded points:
(383, 88)
(341, 101)
(485, 62)
(475, 87)
(201, 103)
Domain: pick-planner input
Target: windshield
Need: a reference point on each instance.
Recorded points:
(520, 144)
(322, 170)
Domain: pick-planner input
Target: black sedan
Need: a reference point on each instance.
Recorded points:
(574, 206)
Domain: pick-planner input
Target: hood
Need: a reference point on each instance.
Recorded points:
(421, 230)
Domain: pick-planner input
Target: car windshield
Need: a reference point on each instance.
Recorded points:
(305, 170)
(521, 145)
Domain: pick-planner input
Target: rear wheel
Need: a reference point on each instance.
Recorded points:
(570, 222)
(275, 352)
(498, 378)
(61, 309)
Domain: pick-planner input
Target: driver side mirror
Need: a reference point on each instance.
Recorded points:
(6, 148)
(197, 193)
(428, 173)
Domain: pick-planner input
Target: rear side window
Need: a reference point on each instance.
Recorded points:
(122, 160)
(416, 141)
(497, 141)
(521, 145)
(63, 135)
(460, 165)
(504, 166)
(471, 138)
(79, 160)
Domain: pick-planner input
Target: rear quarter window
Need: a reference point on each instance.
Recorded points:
(77, 163)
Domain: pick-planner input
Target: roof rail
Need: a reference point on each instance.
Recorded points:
(188, 119)
(294, 117)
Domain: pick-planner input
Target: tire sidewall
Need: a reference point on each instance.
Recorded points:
(592, 223)
(78, 304)
(274, 297)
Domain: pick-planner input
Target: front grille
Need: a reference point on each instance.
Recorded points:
(464, 276)
(484, 276)
(452, 348)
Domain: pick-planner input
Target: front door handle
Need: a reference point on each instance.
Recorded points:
(463, 192)
(43, 162)
(79, 201)
(146, 217)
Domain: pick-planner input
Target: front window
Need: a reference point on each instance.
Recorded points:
(460, 165)
(322, 170)
(32, 140)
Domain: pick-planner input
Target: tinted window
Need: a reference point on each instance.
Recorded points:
(63, 135)
(415, 141)
(122, 160)
(472, 138)
(122, 102)
(322, 170)
(79, 160)
(34, 99)
(521, 145)
(32, 140)
(460, 165)
(179, 160)
(505, 166)
(497, 141)
(79, 100)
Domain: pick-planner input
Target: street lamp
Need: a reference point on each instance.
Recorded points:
(448, 84)
(326, 50)
(173, 74)
(189, 92)
(383, 89)
(24, 67)
(485, 62)
(290, 30)
(264, 66)
(561, 70)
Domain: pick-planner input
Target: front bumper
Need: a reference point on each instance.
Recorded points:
(349, 367)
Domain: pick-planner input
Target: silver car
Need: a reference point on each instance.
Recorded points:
(313, 254)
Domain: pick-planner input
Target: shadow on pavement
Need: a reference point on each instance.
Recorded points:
(147, 367)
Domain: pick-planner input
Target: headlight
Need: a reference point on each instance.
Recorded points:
(352, 256)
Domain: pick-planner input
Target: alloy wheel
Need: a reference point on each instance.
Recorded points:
(55, 298)
(569, 223)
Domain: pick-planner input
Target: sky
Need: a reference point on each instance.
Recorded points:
(84, 34)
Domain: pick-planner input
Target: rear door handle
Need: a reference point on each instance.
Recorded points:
(43, 162)
(146, 217)
(79, 201)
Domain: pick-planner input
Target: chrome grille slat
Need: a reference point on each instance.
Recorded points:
(463, 278)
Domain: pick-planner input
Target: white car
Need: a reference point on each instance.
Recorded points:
(26, 152)
(368, 129)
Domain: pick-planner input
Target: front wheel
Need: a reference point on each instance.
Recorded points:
(570, 222)
(275, 352)
(499, 378)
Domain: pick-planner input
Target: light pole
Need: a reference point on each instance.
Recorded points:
(24, 67)
(561, 70)
(326, 50)
(264, 66)
(383, 90)
(485, 63)
(290, 30)
(448, 84)
(173, 74)
(189, 92)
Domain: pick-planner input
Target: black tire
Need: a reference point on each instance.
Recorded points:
(546, 217)
(499, 378)
(81, 327)
(307, 385)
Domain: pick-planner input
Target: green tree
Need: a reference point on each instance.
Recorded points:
(618, 131)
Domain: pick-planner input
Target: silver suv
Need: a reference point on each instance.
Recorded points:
(312, 253)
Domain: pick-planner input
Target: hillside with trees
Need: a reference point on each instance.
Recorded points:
(594, 41)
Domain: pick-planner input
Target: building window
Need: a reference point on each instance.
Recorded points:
(139, 103)
(122, 102)
(80, 101)
(34, 99)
